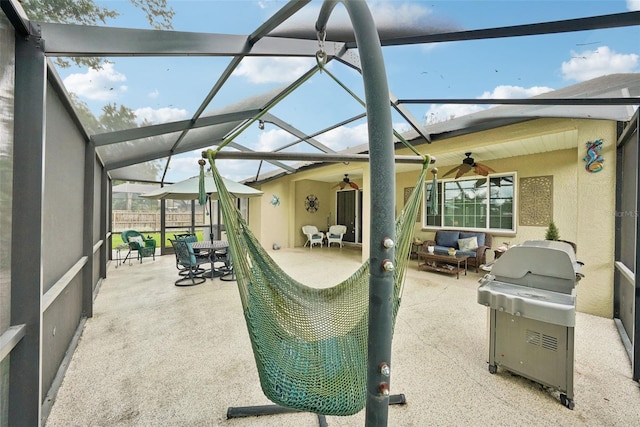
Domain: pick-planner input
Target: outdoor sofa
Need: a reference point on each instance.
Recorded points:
(474, 244)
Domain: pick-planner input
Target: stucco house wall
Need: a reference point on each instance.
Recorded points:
(583, 202)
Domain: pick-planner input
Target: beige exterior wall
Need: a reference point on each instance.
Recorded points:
(283, 224)
(583, 202)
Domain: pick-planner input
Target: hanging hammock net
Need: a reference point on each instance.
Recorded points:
(309, 344)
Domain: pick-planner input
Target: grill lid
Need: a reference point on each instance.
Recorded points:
(530, 303)
(540, 264)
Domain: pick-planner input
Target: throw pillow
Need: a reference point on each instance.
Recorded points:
(480, 236)
(468, 244)
(137, 239)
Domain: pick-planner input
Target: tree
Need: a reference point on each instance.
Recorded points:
(86, 12)
(552, 232)
(113, 118)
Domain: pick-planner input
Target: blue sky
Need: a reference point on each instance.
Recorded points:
(166, 89)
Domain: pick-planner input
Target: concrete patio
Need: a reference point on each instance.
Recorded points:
(155, 354)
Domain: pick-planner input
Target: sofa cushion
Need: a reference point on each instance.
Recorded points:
(479, 236)
(468, 243)
(470, 254)
(447, 238)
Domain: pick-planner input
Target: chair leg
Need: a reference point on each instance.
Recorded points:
(192, 279)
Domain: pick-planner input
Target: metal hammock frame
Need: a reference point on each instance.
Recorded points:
(372, 349)
(310, 344)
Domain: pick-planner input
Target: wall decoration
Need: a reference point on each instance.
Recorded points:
(593, 158)
(536, 201)
(275, 201)
(311, 203)
(407, 193)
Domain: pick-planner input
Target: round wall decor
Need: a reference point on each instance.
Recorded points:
(311, 203)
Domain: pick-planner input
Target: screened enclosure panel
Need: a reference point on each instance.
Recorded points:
(7, 89)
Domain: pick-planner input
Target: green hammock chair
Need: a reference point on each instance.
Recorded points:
(310, 345)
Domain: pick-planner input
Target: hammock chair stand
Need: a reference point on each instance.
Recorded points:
(260, 410)
(353, 325)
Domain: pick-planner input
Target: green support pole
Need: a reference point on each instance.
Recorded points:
(382, 190)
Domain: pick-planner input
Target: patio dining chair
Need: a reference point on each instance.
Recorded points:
(226, 269)
(190, 238)
(192, 273)
(136, 241)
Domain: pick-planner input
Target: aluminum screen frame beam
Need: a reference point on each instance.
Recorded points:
(84, 40)
(616, 20)
(25, 367)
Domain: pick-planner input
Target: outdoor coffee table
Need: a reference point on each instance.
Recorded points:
(443, 263)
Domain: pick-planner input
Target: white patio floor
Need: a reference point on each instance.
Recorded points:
(155, 354)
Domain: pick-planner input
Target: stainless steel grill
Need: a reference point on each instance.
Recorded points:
(530, 294)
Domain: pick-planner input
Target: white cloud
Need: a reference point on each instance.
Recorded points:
(590, 64)
(183, 166)
(337, 139)
(99, 85)
(272, 139)
(345, 137)
(633, 4)
(511, 92)
(154, 94)
(160, 115)
(273, 70)
(444, 112)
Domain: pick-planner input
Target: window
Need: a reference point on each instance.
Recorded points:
(477, 203)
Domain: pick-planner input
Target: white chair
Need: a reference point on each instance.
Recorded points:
(335, 234)
(314, 237)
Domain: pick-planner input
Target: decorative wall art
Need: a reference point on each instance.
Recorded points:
(536, 201)
(311, 203)
(593, 158)
(275, 201)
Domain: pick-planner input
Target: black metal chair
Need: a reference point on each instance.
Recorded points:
(189, 263)
(227, 272)
(190, 238)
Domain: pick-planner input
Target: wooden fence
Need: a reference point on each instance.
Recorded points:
(145, 221)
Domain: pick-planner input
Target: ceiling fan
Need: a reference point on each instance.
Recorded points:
(345, 182)
(467, 164)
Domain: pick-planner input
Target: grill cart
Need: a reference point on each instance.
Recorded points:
(530, 294)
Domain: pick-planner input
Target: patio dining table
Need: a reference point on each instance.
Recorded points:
(213, 247)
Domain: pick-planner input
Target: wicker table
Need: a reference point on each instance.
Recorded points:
(443, 263)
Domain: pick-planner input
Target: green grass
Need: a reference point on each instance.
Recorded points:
(116, 240)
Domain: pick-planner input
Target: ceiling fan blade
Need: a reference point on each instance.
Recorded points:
(483, 170)
(462, 169)
(354, 185)
(451, 171)
(342, 185)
